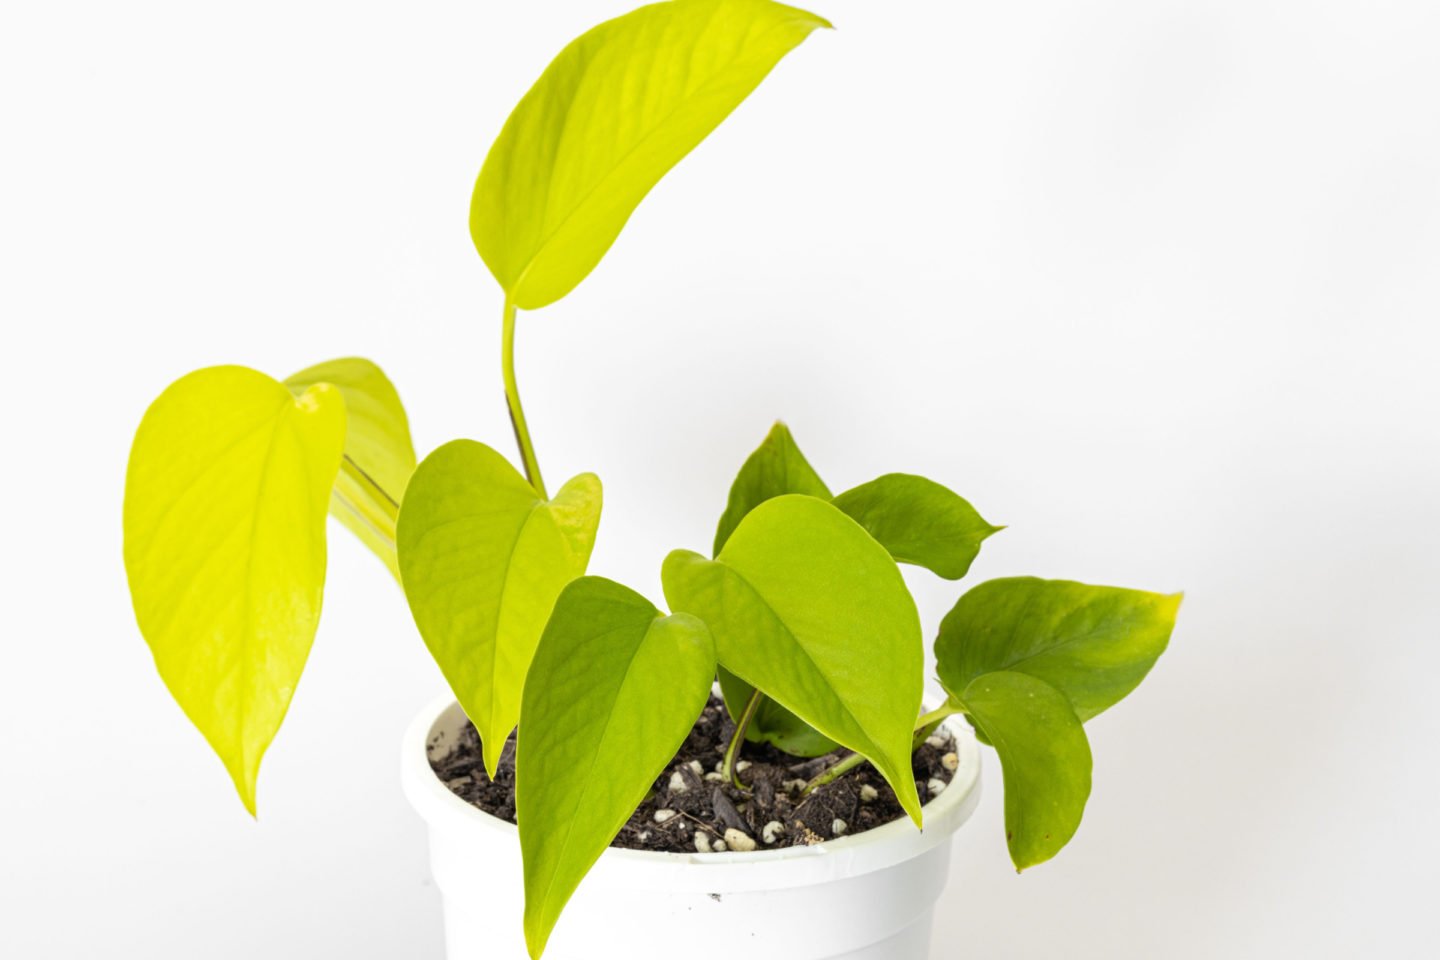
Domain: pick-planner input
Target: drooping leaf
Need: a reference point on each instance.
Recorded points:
(1044, 756)
(1093, 644)
(607, 119)
(612, 694)
(804, 605)
(225, 501)
(919, 521)
(483, 558)
(777, 467)
(381, 456)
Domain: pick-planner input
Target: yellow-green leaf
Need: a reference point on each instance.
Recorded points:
(613, 693)
(607, 119)
(806, 607)
(1044, 756)
(483, 557)
(225, 503)
(379, 454)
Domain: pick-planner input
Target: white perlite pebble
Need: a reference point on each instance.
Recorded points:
(702, 842)
(720, 767)
(938, 742)
(742, 766)
(644, 835)
(718, 846)
(951, 761)
(794, 786)
(714, 777)
(838, 827)
(772, 831)
(738, 840)
(937, 786)
(677, 783)
(664, 816)
(868, 793)
(699, 770)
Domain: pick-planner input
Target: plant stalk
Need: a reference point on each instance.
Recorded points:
(737, 740)
(924, 727)
(512, 401)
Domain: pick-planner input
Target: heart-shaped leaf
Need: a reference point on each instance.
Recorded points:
(225, 502)
(612, 694)
(483, 558)
(777, 467)
(1044, 756)
(607, 119)
(379, 453)
(1093, 644)
(805, 606)
(919, 521)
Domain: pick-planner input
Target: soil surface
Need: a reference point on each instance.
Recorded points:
(691, 807)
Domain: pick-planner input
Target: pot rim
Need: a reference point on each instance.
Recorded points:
(878, 847)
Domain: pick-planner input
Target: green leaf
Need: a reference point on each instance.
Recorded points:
(609, 117)
(380, 454)
(1093, 644)
(1044, 756)
(777, 467)
(807, 607)
(483, 558)
(225, 501)
(919, 521)
(614, 691)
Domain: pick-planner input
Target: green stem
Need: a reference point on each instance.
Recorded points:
(737, 740)
(512, 400)
(924, 727)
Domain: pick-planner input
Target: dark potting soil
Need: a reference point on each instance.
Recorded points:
(691, 806)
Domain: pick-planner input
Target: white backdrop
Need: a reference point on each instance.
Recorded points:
(1151, 281)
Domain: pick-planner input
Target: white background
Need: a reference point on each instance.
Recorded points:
(1153, 282)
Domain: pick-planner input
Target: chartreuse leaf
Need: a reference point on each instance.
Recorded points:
(225, 500)
(777, 467)
(612, 694)
(805, 606)
(1044, 756)
(379, 454)
(483, 557)
(919, 521)
(607, 119)
(1093, 644)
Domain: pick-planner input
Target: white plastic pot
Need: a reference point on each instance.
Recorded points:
(870, 896)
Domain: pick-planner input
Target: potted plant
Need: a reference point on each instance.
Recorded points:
(723, 772)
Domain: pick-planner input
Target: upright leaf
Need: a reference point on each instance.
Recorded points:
(777, 467)
(483, 558)
(612, 694)
(919, 521)
(805, 606)
(606, 120)
(225, 500)
(381, 456)
(1044, 756)
(1093, 644)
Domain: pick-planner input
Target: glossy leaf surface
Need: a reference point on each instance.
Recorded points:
(607, 119)
(613, 692)
(777, 467)
(1094, 644)
(804, 605)
(919, 521)
(1044, 756)
(367, 494)
(225, 503)
(483, 558)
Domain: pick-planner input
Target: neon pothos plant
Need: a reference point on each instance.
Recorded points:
(800, 609)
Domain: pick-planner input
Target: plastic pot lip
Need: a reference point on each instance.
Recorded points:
(882, 846)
